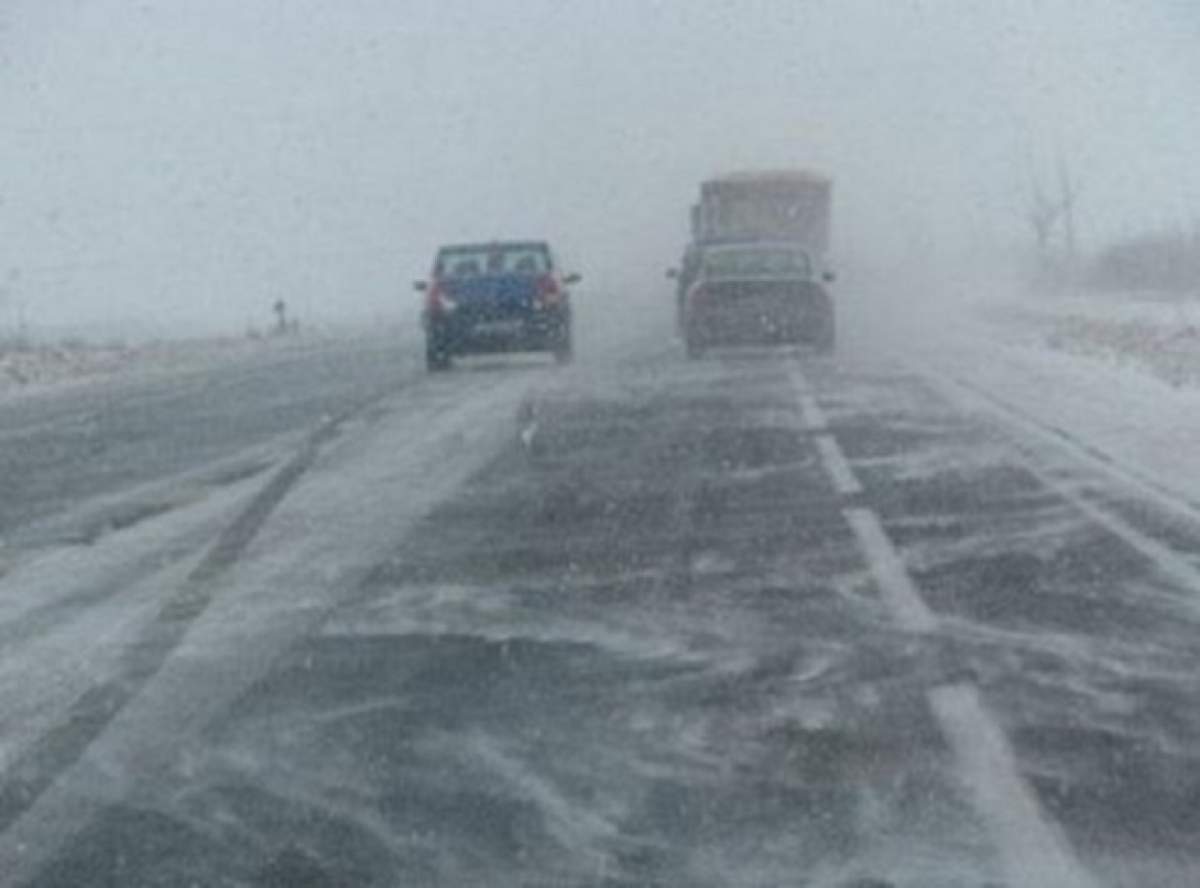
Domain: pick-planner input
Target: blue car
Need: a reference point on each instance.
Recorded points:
(496, 297)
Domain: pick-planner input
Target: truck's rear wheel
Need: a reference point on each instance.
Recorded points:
(826, 336)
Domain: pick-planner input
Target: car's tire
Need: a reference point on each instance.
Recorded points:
(564, 347)
(437, 356)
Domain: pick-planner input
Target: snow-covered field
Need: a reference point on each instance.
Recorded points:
(35, 368)
(1157, 333)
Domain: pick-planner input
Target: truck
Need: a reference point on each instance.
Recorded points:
(790, 208)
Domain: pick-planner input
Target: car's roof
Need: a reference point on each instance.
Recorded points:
(492, 245)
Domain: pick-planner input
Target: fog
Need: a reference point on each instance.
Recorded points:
(176, 167)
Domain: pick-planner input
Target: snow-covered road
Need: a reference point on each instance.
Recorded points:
(761, 619)
(69, 456)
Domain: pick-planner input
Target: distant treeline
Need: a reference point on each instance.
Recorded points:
(1163, 261)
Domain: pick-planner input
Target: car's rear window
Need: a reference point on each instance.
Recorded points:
(493, 259)
(732, 263)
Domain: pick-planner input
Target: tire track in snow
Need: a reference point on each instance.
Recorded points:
(63, 745)
(324, 542)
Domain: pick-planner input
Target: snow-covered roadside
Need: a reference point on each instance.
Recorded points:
(1090, 368)
(38, 366)
(1155, 332)
(36, 369)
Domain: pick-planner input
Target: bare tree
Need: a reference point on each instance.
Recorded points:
(1043, 216)
(1048, 213)
(1068, 194)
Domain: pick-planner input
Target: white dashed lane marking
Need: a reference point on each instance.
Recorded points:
(1032, 851)
(895, 585)
(811, 413)
(839, 471)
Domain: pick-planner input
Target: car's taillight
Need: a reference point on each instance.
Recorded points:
(548, 291)
(434, 298)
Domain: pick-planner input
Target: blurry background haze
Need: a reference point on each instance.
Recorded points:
(178, 166)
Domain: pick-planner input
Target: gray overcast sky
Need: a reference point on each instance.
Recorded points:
(182, 164)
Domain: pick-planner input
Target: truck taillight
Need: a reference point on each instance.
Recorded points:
(548, 291)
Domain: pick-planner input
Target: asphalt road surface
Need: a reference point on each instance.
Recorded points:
(762, 619)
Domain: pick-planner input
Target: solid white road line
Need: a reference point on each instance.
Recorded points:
(839, 471)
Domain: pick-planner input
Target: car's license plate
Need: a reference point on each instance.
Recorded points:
(497, 328)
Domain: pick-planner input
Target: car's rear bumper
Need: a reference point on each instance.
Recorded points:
(762, 318)
(541, 332)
